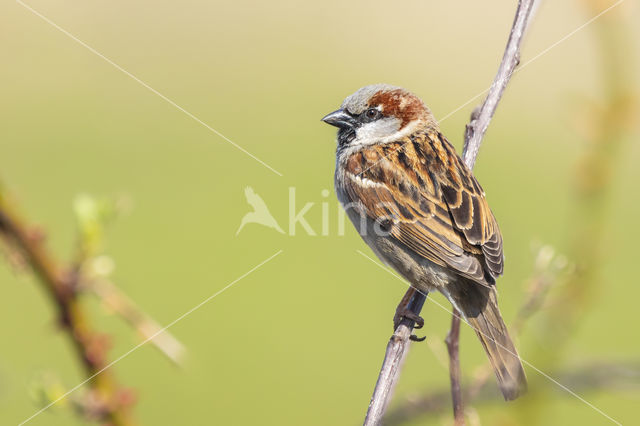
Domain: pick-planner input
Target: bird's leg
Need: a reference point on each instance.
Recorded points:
(404, 312)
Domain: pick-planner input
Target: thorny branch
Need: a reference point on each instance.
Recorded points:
(414, 300)
(106, 402)
(111, 403)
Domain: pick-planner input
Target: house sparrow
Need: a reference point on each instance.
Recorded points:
(423, 213)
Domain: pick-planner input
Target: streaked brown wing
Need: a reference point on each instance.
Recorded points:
(436, 207)
(470, 210)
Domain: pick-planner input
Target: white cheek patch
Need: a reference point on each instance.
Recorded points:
(376, 130)
(382, 131)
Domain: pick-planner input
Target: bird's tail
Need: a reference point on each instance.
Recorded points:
(479, 306)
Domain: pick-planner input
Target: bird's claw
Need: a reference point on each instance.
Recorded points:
(410, 315)
(407, 314)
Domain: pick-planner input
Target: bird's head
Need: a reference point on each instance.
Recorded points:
(379, 113)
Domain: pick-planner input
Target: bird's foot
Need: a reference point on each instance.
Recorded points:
(404, 313)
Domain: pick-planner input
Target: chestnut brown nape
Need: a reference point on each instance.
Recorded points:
(403, 105)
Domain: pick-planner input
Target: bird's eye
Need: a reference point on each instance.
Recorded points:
(372, 113)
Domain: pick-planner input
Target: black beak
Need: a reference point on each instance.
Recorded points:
(340, 118)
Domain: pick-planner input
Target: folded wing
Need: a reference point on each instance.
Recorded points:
(431, 201)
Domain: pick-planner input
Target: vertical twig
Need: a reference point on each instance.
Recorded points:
(597, 377)
(473, 136)
(413, 300)
(548, 267)
(452, 341)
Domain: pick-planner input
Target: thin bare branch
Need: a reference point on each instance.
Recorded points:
(452, 341)
(397, 349)
(548, 266)
(413, 300)
(148, 328)
(473, 135)
(481, 118)
(593, 377)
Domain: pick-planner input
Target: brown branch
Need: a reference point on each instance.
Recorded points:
(481, 118)
(61, 284)
(452, 341)
(148, 328)
(413, 300)
(473, 135)
(397, 349)
(548, 266)
(597, 376)
(94, 270)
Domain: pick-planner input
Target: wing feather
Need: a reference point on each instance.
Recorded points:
(436, 208)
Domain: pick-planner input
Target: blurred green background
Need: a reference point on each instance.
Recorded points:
(300, 340)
